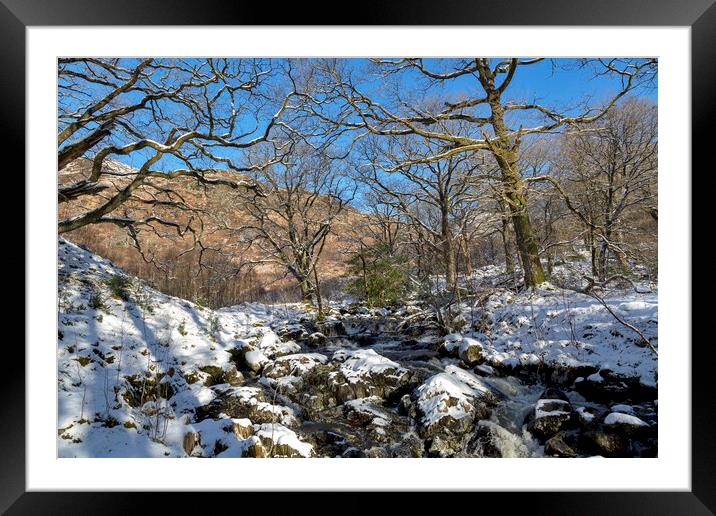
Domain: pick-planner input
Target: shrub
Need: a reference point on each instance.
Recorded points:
(119, 286)
(95, 301)
(378, 278)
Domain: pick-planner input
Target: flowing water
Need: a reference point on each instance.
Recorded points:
(517, 398)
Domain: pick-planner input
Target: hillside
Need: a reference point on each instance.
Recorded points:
(225, 278)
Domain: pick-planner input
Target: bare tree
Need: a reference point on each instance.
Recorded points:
(605, 174)
(302, 197)
(486, 125)
(168, 119)
(429, 195)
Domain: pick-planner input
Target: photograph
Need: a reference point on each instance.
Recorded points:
(357, 257)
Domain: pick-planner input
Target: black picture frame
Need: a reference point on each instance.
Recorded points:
(700, 15)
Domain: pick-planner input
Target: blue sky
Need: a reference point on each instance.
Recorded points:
(556, 83)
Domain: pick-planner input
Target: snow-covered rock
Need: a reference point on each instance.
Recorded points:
(450, 402)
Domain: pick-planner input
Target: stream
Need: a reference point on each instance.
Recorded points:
(390, 426)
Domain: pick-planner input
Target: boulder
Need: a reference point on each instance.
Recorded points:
(295, 365)
(243, 428)
(493, 440)
(363, 373)
(247, 403)
(316, 339)
(279, 441)
(255, 360)
(606, 444)
(561, 445)
(549, 417)
(331, 328)
(191, 439)
(292, 332)
(626, 424)
(470, 351)
(449, 403)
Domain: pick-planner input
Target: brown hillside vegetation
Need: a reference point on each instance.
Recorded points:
(204, 258)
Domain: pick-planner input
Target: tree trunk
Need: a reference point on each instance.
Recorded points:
(527, 245)
(505, 152)
(466, 256)
(307, 290)
(448, 252)
(319, 300)
(509, 262)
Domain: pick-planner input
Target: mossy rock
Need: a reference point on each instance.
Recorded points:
(141, 390)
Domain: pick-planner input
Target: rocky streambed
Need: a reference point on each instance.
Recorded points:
(375, 383)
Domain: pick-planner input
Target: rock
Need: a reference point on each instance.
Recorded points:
(363, 373)
(255, 360)
(557, 446)
(549, 417)
(243, 428)
(331, 328)
(606, 443)
(450, 344)
(247, 403)
(470, 351)
(293, 365)
(232, 376)
(254, 449)
(449, 403)
(587, 417)
(191, 439)
(624, 423)
(279, 441)
(215, 375)
(407, 407)
(409, 445)
(292, 332)
(272, 346)
(376, 453)
(492, 440)
(369, 414)
(625, 409)
(608, 386)
(315, 339)
(442, 447)
(552, 393)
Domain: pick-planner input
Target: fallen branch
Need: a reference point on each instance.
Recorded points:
(621, 321)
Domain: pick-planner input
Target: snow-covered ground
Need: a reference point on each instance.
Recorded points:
(565, 328)
(143, 374)
(103, 340)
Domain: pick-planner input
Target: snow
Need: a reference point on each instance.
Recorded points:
(467, 343)
(452, 393)
(541, 411)
(301, 363)
(619, 418)
(596, 377)
(368, 406)
(281, 435)
(563, 328)
(103, 343)
(255, 359)
(626, 409)
(108, 345)
(271, 345)
(585, 415)
(363, 363)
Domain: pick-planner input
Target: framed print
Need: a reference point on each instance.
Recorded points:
(276, 253)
